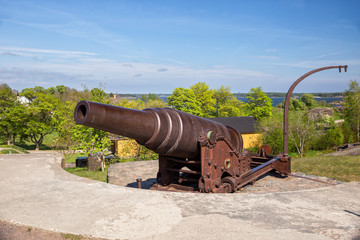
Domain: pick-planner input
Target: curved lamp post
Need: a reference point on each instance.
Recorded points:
(287, 100)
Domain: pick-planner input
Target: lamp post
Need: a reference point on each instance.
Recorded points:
(287, 101)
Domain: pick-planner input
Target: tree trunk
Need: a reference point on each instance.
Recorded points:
(13, 139)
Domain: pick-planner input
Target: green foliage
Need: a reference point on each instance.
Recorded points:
(227, 105)
(309, 100)
(40, 114)
(294, 105)
(184, 100)
(202, 101)
(13, 121)
(7, 108)
(352, 111)
(231, 108)
(205, 97)
(98, 95)
(7, 97)
(16, 148)
(138, 104)
(301, 132)
(8, 151)
(150, 97)
(259, 104)
(144, 153)
(333, 138)
(156, 103)
(272, 130)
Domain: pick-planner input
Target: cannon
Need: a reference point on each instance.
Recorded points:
(195, 154)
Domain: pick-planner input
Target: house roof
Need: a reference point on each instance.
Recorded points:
(241, 124)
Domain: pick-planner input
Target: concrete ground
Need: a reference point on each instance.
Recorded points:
(36, 191)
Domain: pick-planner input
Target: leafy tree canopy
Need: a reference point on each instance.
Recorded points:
(309, 100)
(205, 97)
(259, 104)
(7, 97)
(184, 100)
(352, 109)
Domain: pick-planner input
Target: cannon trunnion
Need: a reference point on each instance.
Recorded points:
(195, 154)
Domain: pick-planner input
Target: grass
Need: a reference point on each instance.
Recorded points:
(310, 153)
(342, 168)
(28, 145)
(69, 236)
(71, 158)
(14, 149)
(94, 175)
(84, 172)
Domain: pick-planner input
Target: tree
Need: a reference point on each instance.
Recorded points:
(272, 129)
(222, 95)
(7, 97)
(41, 120)
(16, 120)
(301, 131)
(156, 103)
(332, 138)
(352, 109)
(32, 93)
(7, 101)
(259, 104)
(184, 100)
(205, 97)
(231, 108)
(65, 116)
(308, 100)
(227, 105)
(138, 104)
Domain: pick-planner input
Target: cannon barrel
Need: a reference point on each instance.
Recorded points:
(166, 131)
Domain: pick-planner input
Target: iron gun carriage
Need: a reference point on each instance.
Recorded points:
(195, 154)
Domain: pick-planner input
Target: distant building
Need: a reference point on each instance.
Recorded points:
(246, 126)
(23, 100)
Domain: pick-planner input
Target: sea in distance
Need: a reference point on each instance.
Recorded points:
(277, 100)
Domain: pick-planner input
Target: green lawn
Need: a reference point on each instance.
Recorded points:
(342, 168)
(14, 149)
(71, 158)
(94, 175)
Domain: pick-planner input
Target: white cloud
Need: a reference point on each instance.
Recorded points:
(36, 52)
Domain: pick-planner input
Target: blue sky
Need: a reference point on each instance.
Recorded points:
(156, 46)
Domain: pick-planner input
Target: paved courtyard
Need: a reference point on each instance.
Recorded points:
(36, 191)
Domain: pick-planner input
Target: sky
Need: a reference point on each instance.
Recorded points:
(156, 46)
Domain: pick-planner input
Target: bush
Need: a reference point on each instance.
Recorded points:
(331, 139)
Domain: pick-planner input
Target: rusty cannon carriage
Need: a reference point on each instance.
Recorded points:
(195, 154)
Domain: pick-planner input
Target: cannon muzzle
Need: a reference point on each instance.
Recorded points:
(164, 130)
